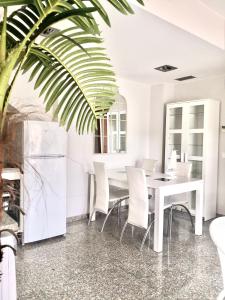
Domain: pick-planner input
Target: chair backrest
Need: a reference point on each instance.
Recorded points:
(217, 230)
(102, 187)
(138, 197)
(149, 164)
(183, 169)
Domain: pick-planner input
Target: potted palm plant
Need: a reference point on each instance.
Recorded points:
(69, 66)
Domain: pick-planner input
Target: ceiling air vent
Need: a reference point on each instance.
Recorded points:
(165, 68)
(48, 31)
(185, 78)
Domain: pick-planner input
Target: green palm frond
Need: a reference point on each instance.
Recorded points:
(70, 67)
(79, 84)
(6, 3)
(22, 20)
(64, 5)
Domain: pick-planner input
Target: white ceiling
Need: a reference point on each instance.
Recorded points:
(217, 6)
(139, 43)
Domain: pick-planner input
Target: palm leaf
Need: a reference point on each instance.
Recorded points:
(66, 65)
(21, 21)
(6, 3)
(79, 84)
(19, 24)
(63, 6)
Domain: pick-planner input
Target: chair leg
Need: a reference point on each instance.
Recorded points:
(132, 231)
(146, 234)
(122, 232)
(106, 218)
(90, 217)
(149, 234)
(188, 211)
(170, 222)
(149, 239)
(119, 214)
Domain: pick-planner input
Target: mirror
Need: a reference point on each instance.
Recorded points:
(111, 134)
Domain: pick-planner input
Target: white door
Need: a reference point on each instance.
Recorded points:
(44, 139)
(44, 198)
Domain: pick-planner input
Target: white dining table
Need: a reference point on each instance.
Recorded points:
(160, 189)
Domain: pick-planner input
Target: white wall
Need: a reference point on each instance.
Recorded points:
(213, 88)
(80, 148)
(159, 94)
(26, 99)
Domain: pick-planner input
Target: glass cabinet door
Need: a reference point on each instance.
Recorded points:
(196, 117)
(195, 144)
(175, 140)
(112, 132)
(196, 168)
(175, 117)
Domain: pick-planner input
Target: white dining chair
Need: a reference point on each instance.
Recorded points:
(183, 169)
(217, 230)
(105, 193)
(140, 207)
(149, 165)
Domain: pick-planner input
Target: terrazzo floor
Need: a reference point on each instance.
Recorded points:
(87, 265)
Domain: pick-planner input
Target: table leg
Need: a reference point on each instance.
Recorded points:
(199, 210)
(159, 216)
(92, 196)
(21, 223)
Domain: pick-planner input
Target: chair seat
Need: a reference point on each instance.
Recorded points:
(116, 193)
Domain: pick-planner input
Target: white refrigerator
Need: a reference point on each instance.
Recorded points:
(44, 180)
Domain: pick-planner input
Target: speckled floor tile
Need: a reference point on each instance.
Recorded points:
(88, 265)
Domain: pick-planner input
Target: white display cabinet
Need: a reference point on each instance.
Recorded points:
(192, 129)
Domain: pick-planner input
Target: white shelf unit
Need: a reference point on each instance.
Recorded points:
(192, 128)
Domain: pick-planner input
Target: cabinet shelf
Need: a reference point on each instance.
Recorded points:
(175, 115)
(175, 131)
(196, 113)
(195, 158)
(196, 130)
